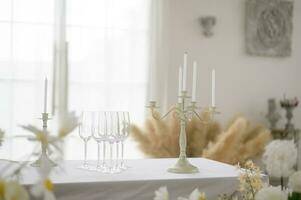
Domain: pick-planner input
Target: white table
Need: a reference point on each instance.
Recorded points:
(140, 181)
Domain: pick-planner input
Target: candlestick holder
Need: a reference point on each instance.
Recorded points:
(37, 163)
(184, 113)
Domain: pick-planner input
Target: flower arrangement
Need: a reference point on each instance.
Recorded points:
(10, 186)
(289, 102)
(280, 157)
(251, 187)
(250, 181)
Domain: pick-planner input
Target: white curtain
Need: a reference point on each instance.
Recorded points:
(26, 38)
(108, 61)
(159, 53)
(108, 43)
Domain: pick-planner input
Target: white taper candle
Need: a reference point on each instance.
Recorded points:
(213, 87)
(194, 81)
(180, 83)
(184, 72)
(45, 94)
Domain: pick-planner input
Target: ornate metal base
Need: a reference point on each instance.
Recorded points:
(37, 163)
(183, 167)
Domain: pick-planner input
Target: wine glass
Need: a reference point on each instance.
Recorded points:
(124, 133)
(99, 133)
(112, 135)
(85, 133)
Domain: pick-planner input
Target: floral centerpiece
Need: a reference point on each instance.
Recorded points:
(10, 186)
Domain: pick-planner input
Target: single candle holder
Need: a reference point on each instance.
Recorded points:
(184, 113)
(45, 118)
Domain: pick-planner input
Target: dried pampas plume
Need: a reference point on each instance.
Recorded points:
(240, 141)
(160, 138)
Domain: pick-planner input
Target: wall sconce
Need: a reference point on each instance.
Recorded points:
(207, 24)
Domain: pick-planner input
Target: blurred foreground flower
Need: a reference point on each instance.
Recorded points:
(271, 193)
(12, 190)
(67, 125)
(294, 184)
(195, 195)
(161, 194)
(44, 187)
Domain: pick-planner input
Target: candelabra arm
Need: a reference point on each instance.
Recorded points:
(164, 116)
(199, 117)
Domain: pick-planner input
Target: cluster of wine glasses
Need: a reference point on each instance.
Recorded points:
(109, 129)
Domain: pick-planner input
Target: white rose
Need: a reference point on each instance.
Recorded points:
(271, 193)
(295, 182)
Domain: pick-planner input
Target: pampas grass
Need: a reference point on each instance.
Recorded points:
(239, 142)
(160, 138)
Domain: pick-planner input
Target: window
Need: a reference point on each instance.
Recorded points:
(107, 61)
(26, 38)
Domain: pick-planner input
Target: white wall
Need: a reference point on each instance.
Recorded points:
(244, 83)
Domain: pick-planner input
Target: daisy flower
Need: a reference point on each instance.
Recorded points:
(12, 190)
(161, 194)
(68, 124)
(44, 187)
(195, 195)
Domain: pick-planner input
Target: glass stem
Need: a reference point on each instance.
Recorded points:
(117, 154)
(111, 155)
(122, 161)
(98, 155)
(104, 154)
(85, 161)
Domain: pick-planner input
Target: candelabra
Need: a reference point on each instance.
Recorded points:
(184, 113)
(37, 163)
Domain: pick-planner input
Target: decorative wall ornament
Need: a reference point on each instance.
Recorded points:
(269, 27)
(207, 24)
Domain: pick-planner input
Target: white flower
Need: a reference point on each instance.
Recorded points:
(68, 124)
(295, 182)
(161, 194)
(280, 157)
(44, 188)
(40, 135)
(12, 190)
(195, 195)
(271, 193)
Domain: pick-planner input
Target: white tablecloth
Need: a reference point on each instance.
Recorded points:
(140, 181)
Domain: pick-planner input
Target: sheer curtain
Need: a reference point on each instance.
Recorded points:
(108, 61)
(26, 38)
(159, 52)
(109, 56)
